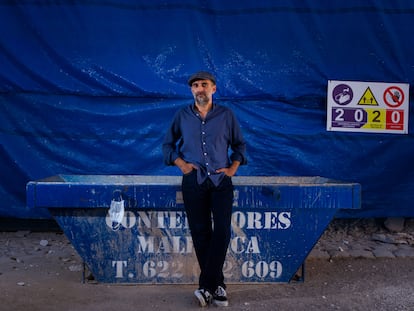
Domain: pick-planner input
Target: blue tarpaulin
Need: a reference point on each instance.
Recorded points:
(89, 87)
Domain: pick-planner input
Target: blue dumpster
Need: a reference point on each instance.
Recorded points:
(276, 222)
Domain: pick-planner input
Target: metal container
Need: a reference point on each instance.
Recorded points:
(276, 222)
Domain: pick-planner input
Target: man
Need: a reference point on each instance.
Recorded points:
(198, 143)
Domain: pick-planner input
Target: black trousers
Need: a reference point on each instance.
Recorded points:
(209, 210)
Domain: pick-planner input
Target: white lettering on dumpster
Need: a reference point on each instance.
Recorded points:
(119, 265)
(175, 269)
(165, 244)
(262, 269)
(162, 237)
(178, 220)
(264, 220)
(241, 244)
(161, 220)
(184, 245)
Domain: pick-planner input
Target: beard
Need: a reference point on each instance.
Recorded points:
(201, 99)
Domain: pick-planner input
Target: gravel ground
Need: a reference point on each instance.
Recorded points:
(357, 264)
(366, 238)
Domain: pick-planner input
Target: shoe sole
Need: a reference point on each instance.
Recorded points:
(220, 303)
(201, 300)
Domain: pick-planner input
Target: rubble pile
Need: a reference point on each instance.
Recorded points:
(368, 238)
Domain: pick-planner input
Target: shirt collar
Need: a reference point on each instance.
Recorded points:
(194, 109)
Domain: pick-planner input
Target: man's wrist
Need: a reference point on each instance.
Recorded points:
(179, 162)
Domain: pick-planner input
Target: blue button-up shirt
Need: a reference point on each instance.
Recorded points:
(205, 142)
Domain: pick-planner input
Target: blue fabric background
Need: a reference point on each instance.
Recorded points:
(89, 87)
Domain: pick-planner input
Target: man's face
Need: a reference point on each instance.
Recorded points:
(203, 91)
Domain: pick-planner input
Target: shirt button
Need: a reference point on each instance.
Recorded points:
(208, 173)
(205, 153)
(207, 164)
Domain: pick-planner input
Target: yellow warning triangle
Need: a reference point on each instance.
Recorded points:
(368, 98)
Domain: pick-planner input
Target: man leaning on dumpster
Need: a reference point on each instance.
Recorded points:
(198, 143)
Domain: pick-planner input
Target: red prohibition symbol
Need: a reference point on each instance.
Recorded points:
(393, 96)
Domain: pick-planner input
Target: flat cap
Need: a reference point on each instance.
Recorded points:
(201, 75)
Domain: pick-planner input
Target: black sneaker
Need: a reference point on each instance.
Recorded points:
(204, 297)
(220, 297)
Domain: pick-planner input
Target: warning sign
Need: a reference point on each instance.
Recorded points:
(394, 97)
(368, 98)
(372, 107)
